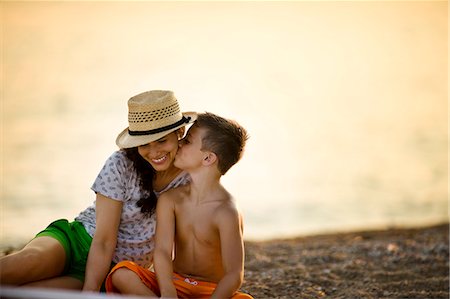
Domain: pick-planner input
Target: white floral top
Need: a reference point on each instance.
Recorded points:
(118, 180)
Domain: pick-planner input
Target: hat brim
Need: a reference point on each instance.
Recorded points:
(125, 140)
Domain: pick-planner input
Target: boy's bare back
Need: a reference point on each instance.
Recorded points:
(200, 225)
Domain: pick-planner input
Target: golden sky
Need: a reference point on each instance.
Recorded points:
(334, 94)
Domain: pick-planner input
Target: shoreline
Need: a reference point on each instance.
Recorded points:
(12, 246)
(391, 263)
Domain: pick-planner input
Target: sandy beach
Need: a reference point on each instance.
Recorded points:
(395, 263)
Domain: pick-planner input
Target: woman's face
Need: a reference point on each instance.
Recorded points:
(160, 153)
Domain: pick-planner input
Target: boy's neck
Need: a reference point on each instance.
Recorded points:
(204, 183)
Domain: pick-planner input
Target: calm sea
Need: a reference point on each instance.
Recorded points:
(347, 114)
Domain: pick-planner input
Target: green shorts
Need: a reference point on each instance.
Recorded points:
(76, 242)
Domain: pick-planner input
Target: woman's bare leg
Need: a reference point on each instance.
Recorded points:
(60, 282)
(43, 258)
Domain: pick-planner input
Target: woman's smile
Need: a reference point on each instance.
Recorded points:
(160, 153)
(160, 160)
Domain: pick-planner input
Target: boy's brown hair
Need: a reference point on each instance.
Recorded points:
(225, 138)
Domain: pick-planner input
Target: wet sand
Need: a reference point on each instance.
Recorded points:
(396, 263)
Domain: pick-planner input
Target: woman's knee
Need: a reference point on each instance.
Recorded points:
(16, 267)
(31, 264)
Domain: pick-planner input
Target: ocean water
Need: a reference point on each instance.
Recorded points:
(347, 115)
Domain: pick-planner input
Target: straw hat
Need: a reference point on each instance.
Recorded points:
(151, 116)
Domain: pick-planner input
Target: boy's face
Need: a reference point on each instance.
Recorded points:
(190, 155)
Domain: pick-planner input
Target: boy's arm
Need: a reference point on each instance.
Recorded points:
(165, 233)
(232, 246)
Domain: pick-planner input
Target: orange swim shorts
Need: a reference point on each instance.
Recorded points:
(186, 287)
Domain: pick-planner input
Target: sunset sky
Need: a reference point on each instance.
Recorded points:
(344, 101)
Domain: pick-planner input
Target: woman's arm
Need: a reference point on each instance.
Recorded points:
(108, 212)
(165, 233)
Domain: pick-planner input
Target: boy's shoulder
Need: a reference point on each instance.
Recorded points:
(228, 218)
(228, 207)
(175, 193)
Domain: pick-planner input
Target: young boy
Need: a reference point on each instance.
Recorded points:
(199, 223)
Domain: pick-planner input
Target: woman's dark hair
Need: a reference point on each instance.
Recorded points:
(145, 174)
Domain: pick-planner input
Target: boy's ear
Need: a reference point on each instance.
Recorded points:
(209, 158)
(180, 133)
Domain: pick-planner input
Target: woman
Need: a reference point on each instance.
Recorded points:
(121, 223)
